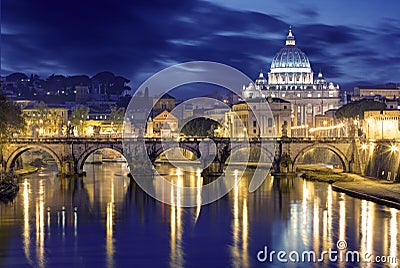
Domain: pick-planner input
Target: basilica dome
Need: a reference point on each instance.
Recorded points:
(290, 57)
(290, 66)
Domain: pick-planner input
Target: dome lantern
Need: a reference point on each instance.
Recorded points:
(290, 41)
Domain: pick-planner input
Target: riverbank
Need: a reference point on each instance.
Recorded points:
(26, 170)
(379, 191)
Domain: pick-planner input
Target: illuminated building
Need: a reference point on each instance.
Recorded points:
(382, 124)
(163, 125)
(291, 78)
(241, 121)
(45, 122)
(388, 91)
(327, 125)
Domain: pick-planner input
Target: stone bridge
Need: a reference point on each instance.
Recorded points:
(70, 153)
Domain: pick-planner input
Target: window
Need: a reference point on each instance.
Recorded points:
(254, 123)
(284, 107)
(269, 122)
(255, 131)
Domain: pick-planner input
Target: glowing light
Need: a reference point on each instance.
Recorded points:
(364, 146)
(299, 127)
(326, 128)
(393, 232)
(393, 148)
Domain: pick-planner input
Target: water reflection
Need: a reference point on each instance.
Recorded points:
(110, 227)
(393, 247)
(27, 232)
(240, 224)
(342, 228)
(176, 255)
(106, 218)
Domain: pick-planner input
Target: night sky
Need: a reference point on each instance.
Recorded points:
(352, 42)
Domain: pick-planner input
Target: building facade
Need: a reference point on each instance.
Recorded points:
(291, 78)
(242, 121)
(164, 125)
(389, 91)
(45, 121)
(382, 124)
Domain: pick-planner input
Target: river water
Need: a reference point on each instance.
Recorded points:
(105, 220)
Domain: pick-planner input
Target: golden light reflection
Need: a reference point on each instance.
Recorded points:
(342, 217)
(110, 227)
(176, 255)
(367, 219)
(75, 221)
(316, 231)
(329, 214)
(40, 226)
(199, 184)
(304, 203)
(393, 233)
(239, 249)
(305, 224)
(245, 234)
(342, 225)
(48, 221)
(235, 226)
(26, 232)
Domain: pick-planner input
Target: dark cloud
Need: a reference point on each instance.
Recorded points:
(138, 38)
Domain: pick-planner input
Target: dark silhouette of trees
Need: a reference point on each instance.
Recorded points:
(11, 120)
(356, 109)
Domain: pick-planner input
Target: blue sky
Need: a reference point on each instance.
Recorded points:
(352, 42)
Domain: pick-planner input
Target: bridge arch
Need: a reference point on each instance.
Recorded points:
(165, 147)
(82, 158)
(19, 151)
(241, 146)
(343, 159)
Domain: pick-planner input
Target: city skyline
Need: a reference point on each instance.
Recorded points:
(139, 39)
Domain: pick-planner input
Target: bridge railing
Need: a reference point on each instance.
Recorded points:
(108, 139)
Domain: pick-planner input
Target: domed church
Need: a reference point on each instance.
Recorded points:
(292, 78)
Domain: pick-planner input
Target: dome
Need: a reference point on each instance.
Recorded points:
(290, 56)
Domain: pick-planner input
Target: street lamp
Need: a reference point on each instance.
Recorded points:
(364, 146)
(393, 148)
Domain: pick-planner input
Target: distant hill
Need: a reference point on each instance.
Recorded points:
(56, 84)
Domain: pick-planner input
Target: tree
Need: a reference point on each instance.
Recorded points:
(199, 127)
(79, 117)
(286, 161)
(116, 118)
(357, 109)
(11, 120)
